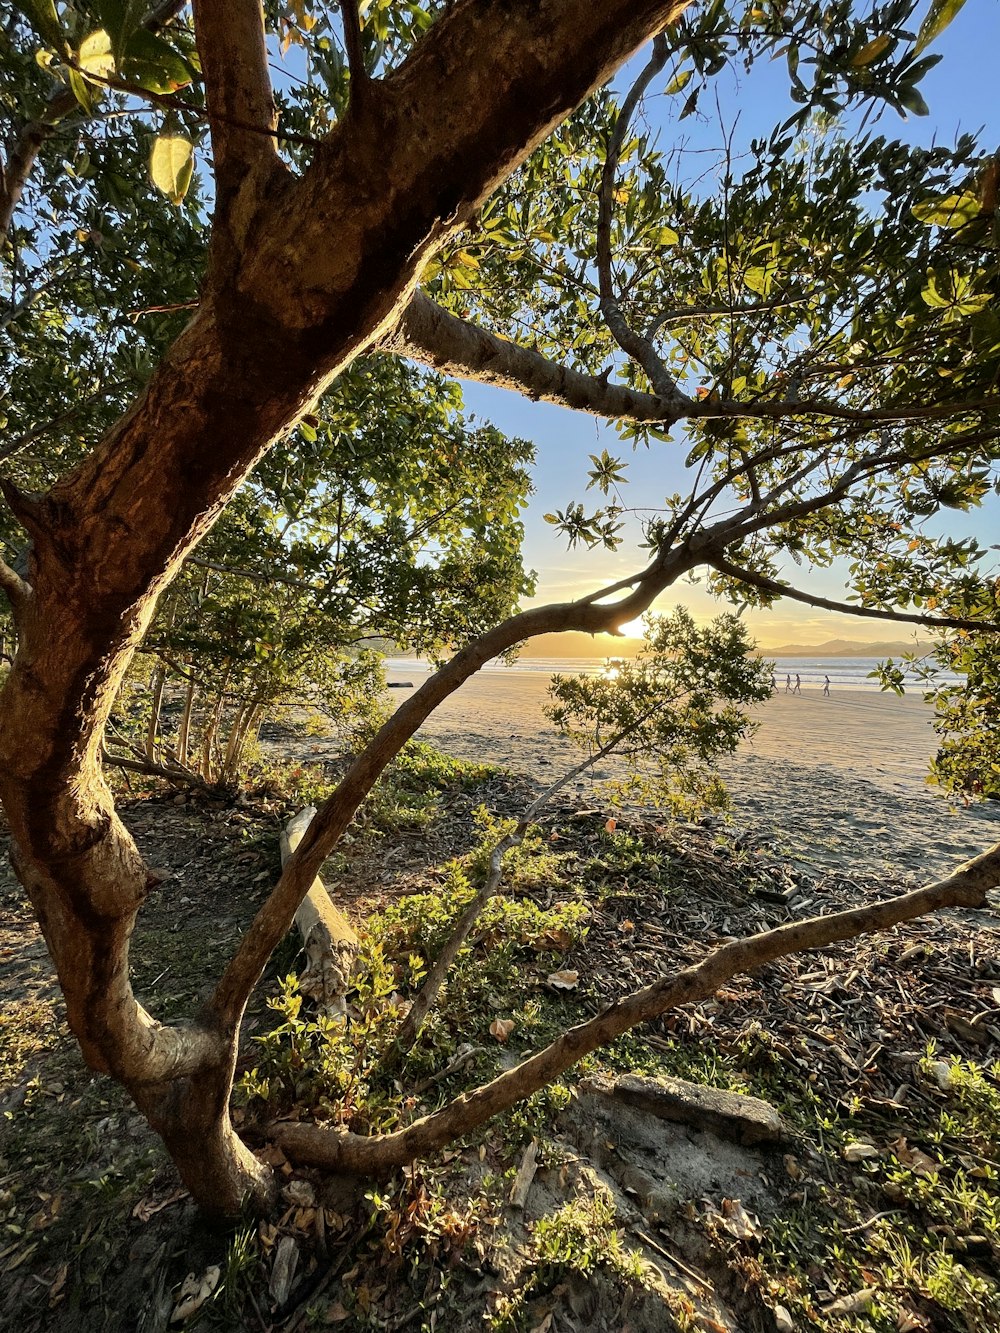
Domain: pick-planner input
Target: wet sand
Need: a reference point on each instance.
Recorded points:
(836, 782)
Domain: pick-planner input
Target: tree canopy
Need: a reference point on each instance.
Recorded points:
(218, 283)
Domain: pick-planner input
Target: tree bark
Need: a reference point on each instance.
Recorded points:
(305, 275)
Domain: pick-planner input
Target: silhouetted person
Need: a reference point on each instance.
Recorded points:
(826, 686)
(798, 684)
(788, 684)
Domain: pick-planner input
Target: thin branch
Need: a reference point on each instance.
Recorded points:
(11, 447)
(34, 133)
(275, 916)
(150, 769)
(428, 993)
(24, 153)
(251, 574)
(640, 349)
(351, 13)
(337, 1148)
(18, 592)
(765, 584)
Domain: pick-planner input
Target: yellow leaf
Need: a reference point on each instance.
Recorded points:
(171, 165)
(871, 51)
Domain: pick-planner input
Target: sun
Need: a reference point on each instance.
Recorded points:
(634, 629)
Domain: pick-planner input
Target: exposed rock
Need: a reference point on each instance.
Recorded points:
(730, 1115)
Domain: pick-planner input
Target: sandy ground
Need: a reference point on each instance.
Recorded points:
(836, 782)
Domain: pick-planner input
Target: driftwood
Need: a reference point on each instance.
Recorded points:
(328, 938)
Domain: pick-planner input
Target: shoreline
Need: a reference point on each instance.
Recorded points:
(834, 783)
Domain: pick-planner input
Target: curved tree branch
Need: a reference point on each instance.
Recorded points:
(274, 918)
(24, 153)
(465, 350)
(324, 1146)
(28, 143)
(461, 348)
(765, 584)
(640, 349)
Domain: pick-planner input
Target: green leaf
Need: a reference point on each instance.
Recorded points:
(912, 101)
(120, 19)
(41, 14)
(171, 165)
(679, 81)
(95, 55)
(938, 17)
(665, 236)
(953, 212)
(82, 91)
(154, 64)
(759, 280)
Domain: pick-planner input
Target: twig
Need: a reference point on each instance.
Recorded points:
(351, 13)
(428, 993)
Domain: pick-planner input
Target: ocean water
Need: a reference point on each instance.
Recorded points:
(846, 673)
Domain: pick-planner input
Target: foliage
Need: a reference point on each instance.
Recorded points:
(670, 712)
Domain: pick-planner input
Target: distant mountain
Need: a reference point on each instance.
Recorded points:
(845, 648)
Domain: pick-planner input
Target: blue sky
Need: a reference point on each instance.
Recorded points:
(961, 93)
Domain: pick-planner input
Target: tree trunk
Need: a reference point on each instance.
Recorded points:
(307, 273)
(155, 708)
(184, 726)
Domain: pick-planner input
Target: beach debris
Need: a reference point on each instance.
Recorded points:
(858, 1302)
(729, 1115)
(501, 1028)
(783, 1321)
(858, 1152)
(286, 1260)
(567, 980)
(525, 1175)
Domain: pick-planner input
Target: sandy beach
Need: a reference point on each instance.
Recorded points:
(837, 782)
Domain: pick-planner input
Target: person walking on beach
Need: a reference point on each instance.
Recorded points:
(826, 686)
(788, 684)
(798, 684)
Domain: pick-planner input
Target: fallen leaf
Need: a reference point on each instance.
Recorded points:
(908, 1321)
(919, 1162)
(335, 1314)
(610, 826)
(147, 1208)
(792, 1167)
(501, 1028)
(738, 1221)
(56, 1287)
(562, 981)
